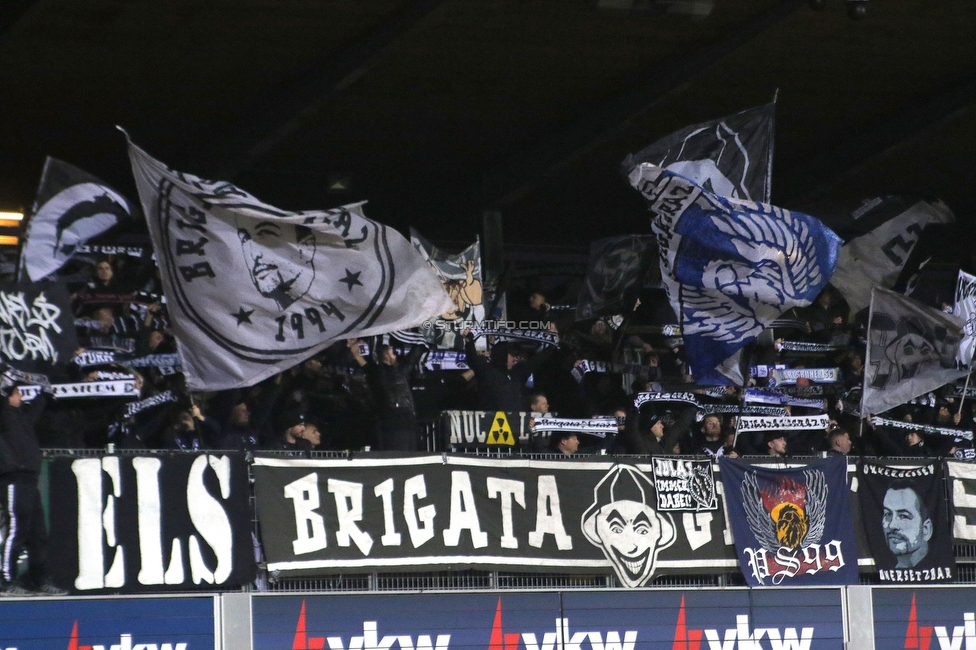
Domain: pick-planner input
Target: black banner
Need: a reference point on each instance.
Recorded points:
(468, 430)
(37, 327)
(962, 488)
(903, 510)
(435, 512)
(150, 523)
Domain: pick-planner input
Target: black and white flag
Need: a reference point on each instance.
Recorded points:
(36, 326)
(731, 156)
(619, 268)
(911, 350)
(71, 207)
(253, 290)
(877, 258)
(461, 276)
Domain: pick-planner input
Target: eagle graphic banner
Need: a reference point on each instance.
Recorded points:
(792, 527)
(912, 349)
(71, 207)
(253, 290)
(729, 267)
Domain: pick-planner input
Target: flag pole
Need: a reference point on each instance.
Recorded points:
(964, 388)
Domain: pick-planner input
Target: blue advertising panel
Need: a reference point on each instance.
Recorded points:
(923, 618)
(103, 624)
(784, 619)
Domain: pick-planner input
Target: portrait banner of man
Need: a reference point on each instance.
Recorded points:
(253, 290)
(905, 519)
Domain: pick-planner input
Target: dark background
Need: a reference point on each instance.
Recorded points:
(436, 110)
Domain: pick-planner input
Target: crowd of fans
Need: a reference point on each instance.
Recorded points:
(379, 394)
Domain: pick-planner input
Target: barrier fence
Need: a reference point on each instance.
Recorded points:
(838, 618)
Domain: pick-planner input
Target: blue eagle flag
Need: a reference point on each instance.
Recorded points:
(730, 267)
(792, 527)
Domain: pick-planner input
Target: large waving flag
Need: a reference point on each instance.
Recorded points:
(71, 207)
(965, 308)
(730, 267)
(617, 271)
(877, 258)
(912, 349)
(731, 156)
(253, 290)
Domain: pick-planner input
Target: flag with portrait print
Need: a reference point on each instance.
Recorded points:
(253, 290)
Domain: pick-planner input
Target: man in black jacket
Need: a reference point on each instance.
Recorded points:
(501, 382)
(20, 466)
(389, 381)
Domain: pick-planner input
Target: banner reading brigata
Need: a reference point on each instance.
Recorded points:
(903, 510)
(150, 523)
(329, 516)
(793, 526)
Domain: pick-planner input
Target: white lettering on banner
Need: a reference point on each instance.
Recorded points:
(93, 521)
(311, 534)
(549, 516)
(423, 530)
(963, 500)
(370, 640)
(310, 526)
(16, 318)
(97, 527)
(464, 513)
(787, 563)
(349, 511)
(210, 519)
(385, 492)
(508, 490)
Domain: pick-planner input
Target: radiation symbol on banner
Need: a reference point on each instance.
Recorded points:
(500, 432)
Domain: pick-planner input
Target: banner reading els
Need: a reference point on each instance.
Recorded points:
(150, 523)
(330, 516)
(651, 620)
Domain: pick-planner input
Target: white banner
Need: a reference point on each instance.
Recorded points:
(817, 375)
(112, 388)
(597, 426)
(802, 423)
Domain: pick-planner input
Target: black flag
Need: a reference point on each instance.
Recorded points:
(619, 267)
(731, 156)
(71, 207)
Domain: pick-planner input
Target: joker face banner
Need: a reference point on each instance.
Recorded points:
(409, 514)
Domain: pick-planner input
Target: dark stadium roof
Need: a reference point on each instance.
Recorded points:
(436, 110)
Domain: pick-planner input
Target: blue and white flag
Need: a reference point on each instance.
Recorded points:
(729, 267)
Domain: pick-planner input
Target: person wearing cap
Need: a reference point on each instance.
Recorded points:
(20, 467)
(775, 443)
(290, 425)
